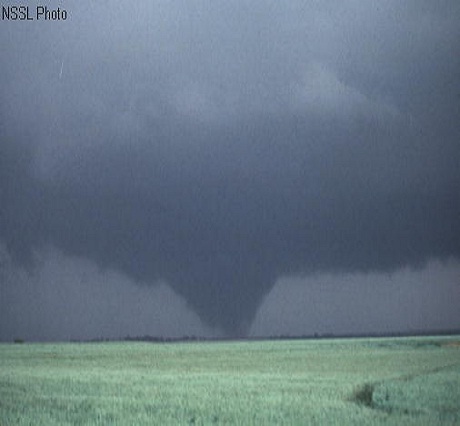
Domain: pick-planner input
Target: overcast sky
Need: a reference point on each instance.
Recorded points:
(230, 168)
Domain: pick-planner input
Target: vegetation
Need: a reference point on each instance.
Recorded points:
(343, 381)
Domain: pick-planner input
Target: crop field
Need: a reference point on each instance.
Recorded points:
(414, 381)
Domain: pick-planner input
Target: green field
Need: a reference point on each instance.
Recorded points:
(344, 381)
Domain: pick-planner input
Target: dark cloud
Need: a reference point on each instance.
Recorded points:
(220, 146)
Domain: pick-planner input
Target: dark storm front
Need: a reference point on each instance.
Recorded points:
(39, 13)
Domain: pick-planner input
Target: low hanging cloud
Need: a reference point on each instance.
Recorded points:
(406, 301)
(69, 298)
(218, 147)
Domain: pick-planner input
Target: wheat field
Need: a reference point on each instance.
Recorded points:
(413, 381)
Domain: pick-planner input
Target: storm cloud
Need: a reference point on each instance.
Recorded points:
(218, 146)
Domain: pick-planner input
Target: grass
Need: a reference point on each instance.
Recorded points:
(349, 381)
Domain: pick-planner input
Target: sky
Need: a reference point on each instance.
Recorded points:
(237, 168)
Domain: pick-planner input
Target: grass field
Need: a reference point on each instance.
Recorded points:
(344, 381)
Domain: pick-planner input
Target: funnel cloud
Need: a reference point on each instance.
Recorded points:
(220, 146)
